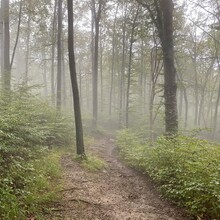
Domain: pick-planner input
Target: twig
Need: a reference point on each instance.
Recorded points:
(84, 201)
(70, 189)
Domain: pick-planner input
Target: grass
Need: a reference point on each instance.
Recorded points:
(37, 185)
(92, 163)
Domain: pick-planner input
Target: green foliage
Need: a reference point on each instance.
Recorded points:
(29, 128)
(187, 170)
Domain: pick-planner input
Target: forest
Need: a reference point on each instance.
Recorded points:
(109, 109)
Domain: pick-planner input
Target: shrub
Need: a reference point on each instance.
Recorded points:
(29, 130)
(187, 170)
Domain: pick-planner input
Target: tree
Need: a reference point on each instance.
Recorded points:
(97, 9)
(59, 55)
(28, 43)
(73, 76)
(6, 75)
(53, 40)
(162, 17)
(132, 40)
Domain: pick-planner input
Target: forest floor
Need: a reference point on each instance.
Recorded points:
(114, 193)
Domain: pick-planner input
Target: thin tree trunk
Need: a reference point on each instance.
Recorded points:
(17, 36)
(97, 17)
(63, 76)
(53, 54)
(203, 93)
(122, 78)
(45, 72)
(2, 38)
(215, 119)
(6, 71)
(95, 64)
(59, 56)
(129, 69)
(73, 75)
(196, 88)
(155, 71)
(184, 93)
(140, 80)
(27, 49)
(113, 64)
(101, 74)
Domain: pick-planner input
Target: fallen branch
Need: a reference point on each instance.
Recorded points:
(84, 201)
(70, 189)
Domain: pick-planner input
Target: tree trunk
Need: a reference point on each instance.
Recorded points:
(164, 24)
(53, 53)
(6, 76)
(129, 69)
(203, 93)
(73, 76)
(45, 72)
(27, 49)
(17, 36)
(101, 74)
(1, 39)
(215, 119)
(64, 89)
(170, 87)
(122, 78)
(96, 16)
(59, 56)
(95, 63)
(113, 64)
(155, 71)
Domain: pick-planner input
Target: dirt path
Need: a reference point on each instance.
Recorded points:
(115, 193)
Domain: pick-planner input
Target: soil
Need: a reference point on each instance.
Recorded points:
(116, 192)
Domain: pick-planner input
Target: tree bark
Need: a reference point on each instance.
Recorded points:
(27, 49)
(96, 16)
(73, 76)
(44, 72)
(53, 53)
(1, 38)
(122, 75)
(170, 86)
(163, 21)
(113, 64)
(17, 36)
(6, 76)
(59, 56)
(129, 69)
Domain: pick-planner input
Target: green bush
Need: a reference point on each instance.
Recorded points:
(29, 131)
(187, 170)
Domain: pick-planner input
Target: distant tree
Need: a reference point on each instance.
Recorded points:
(6, 74)
(97, 9)
(132, 40)
(53, 40)
(59, 55)
(28, 43)
(73, 76)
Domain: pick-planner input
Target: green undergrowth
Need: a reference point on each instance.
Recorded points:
(32, 137)
(186, 169)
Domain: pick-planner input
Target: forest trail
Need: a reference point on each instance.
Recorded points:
(114, 193)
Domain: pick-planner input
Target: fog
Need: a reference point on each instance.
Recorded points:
(128, 53)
